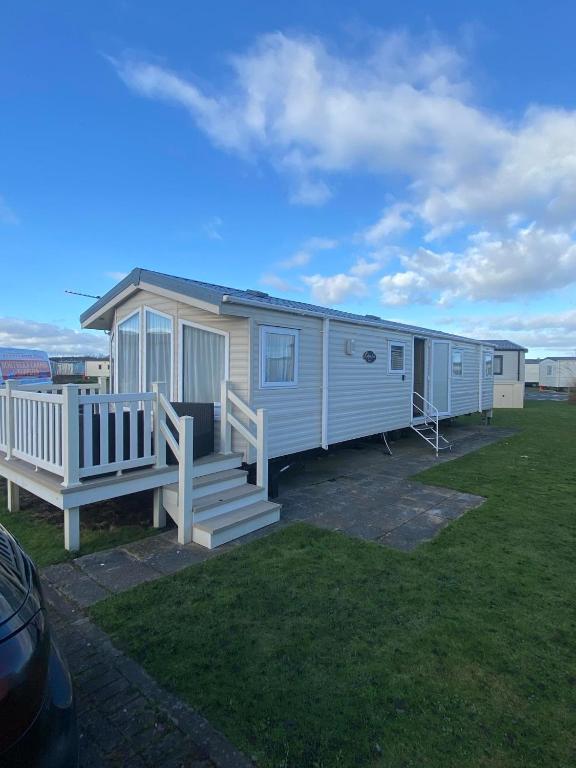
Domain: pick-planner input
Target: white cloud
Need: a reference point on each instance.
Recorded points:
(54, 339)
(7, 215)
(304, 254)
(394, 220)
(335, 289)
(116, 275)
(213, 228)
(278, 283)
(400, 107)
(531, 261)
(554, 332)
(310, 192)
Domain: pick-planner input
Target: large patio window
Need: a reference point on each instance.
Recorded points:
(128, 354)
(158, 329)
(203, 364)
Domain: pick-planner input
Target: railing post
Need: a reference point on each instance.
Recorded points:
(9, 420)
(103, 385)
(186, 480)
(225, 428)
(262, 448)
(159, 388)
(70, 435)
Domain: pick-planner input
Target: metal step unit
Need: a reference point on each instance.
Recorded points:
(225, 505)
(428, 428)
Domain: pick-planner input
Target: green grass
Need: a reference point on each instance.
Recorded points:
(44, 541)
(308, 648)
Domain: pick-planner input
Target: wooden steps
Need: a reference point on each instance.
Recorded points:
(225, 506)
(231, 525)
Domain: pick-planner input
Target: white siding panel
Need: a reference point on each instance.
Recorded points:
(364, 398)
(464, 392)
(294, 413)
(510, 366)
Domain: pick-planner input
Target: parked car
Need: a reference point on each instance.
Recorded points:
(37, 714)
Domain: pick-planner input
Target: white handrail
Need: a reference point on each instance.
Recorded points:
(259, 440)
(182, 446)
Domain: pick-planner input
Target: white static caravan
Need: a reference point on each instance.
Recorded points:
(531, 372)
(558, 372)
(323, 376)
(263, 378)
(509, 373)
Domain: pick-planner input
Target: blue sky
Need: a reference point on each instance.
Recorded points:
(416, 161)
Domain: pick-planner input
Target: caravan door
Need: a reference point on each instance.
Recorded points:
(440, 385)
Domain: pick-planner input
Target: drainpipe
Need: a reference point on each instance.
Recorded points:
(325, 382)
(480, 364)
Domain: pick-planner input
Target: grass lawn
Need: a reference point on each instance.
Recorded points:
(42, 535)
(311, 649)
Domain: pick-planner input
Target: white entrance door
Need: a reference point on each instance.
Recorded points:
(203, 363)
(441, 376)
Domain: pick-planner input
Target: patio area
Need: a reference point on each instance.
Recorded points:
(357, 489)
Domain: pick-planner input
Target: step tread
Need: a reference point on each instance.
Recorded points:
(213, 458)
(230, 519)
(230, 494)
(215, 477)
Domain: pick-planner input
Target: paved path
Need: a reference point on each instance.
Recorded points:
(533, 393)
(126, 720)
(360, 490)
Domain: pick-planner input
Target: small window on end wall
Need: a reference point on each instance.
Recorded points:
(456, 362)
(498, 364)
(488, 367)
(278, 356)
(396, 357)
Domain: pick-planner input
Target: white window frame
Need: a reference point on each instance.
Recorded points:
(457, 351)
(143, 342)
(200, 327)
(264, 329)
(501, 371)
(549, 370)
(488, 358)
(396, 344)
(116, 339)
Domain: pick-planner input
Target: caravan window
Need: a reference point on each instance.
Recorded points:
(128, 354)
(456, 362)
(487, 364)
(498, 364)
(158, 350)
(278, 356)
(396, 357)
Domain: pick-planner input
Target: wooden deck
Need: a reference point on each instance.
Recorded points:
(73, 447)
(48, 486)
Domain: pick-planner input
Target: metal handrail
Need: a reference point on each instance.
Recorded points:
(434, 414)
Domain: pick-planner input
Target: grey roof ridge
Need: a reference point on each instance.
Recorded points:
(230, 295)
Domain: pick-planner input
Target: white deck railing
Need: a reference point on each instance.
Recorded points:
(77, 433)
(257, 439)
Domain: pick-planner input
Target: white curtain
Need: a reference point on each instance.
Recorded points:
(203, 365)
(279, 351)
(128, 363)
(158, 350)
